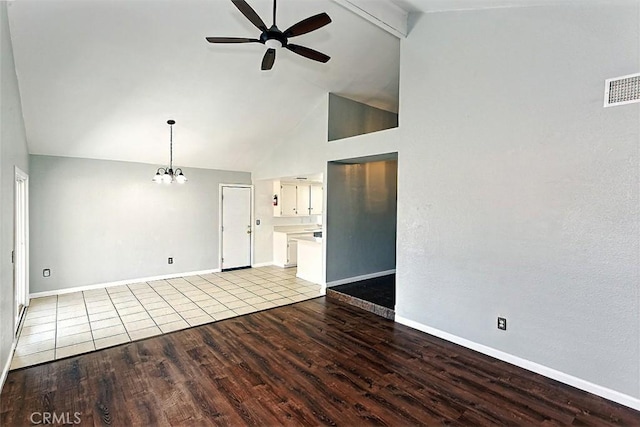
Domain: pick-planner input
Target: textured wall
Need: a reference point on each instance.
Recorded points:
(518, 191)
(97, 221)
(361, 218)
(349, 118)
(13, 152)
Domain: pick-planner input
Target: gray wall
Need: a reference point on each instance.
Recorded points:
(97, 221)
(349, 118)
(361, 218)
(518, 191)
(13, 152)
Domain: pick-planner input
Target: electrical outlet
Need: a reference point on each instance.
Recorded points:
(170, 260)
(46, 272)
(502, 323)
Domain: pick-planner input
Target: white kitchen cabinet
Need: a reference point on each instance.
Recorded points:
(297, 199)
(302, 200)
(285, 249)
(315, 199)
(286, 195)
(292, 252)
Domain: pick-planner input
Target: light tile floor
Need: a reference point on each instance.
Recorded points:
(69, 324)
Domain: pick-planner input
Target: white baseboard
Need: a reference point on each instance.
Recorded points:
(119, 283)
(283, 265)
(358, 278)
(262, 264)
(7, 365)
(562, 377)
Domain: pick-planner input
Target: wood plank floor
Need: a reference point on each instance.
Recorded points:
(312, 363)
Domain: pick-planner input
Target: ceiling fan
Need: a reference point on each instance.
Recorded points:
(274, 38)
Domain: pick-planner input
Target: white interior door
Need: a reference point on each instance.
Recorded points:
(20, 249)
(236, 227)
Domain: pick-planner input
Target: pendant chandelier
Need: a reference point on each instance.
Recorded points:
(168, 175)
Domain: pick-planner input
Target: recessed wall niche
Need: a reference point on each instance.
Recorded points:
(348, 118)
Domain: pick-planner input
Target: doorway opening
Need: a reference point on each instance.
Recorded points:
(361, 232)
(236, 230)
(20, 254)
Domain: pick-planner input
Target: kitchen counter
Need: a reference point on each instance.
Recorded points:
(310, 265)
(295, 229)
(308, 239)
(285, 242)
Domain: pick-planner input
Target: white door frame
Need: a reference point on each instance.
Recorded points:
(220, 187)
(20, 245)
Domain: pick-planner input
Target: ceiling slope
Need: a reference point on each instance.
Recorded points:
(99, 79)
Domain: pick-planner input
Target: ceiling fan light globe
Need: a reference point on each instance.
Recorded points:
(181, 179)
(273, 44)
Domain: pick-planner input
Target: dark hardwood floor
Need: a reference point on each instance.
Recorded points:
(311, 363)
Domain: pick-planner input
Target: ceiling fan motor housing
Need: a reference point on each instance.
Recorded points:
(272, 37)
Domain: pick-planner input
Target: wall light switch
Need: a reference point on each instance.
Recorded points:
(46, 272)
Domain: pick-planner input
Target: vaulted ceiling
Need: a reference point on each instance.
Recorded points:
(100, 78)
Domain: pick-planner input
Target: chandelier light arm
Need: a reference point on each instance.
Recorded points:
(168, 175)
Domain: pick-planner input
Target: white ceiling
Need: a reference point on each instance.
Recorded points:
(99, 78)
(432, 6)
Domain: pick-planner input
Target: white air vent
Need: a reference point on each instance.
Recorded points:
(622, 90)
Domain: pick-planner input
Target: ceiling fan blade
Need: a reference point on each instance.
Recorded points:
(231, 40)
(308, 25)
(268, 59)
(250, 14)
(308, 53)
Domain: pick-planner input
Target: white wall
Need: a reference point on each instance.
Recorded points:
(98, 221)
(13, 152)
(306, 151)
(302, 152)
(518, 191)
(263, 233)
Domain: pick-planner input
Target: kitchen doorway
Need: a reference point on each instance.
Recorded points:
(236, 240)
